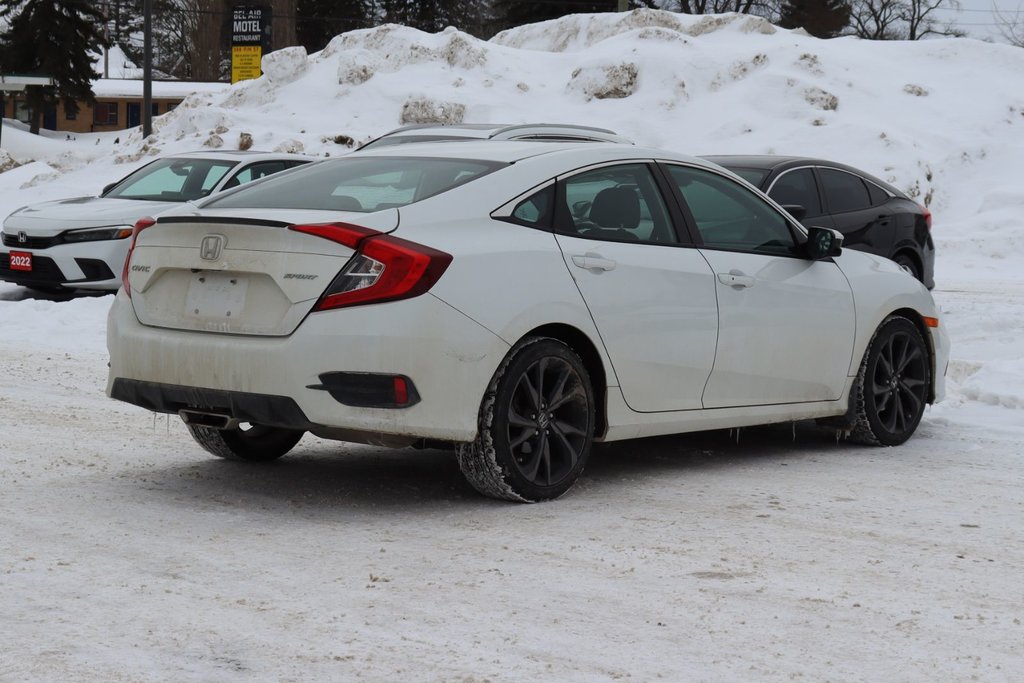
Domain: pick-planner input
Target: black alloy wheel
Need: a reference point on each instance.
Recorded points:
(536, 425)
(893, 384)
(548, 421)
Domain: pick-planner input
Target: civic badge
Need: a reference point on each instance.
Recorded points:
(211, 247)
(22, 237)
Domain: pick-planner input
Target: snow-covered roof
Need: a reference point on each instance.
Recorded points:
(117, 87)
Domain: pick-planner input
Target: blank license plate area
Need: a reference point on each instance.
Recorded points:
(216, 295)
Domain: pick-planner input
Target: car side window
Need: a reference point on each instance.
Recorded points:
(255, 172)
(212, 178)
(536, 210)
(844, 191)
(616, 203)
(878, 195)
(797, 188)
(729, 216)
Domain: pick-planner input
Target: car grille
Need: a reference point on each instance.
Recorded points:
(33, 242)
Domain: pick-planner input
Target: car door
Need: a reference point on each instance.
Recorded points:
(651, 294)
(786, 323)
(865, 221)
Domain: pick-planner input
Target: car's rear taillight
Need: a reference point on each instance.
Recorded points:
(927, 215)
(342, 233)
(384, 268)
(140, 225)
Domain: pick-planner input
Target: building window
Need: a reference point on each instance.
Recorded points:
(70, 117)
(22, 112)
(105, 114)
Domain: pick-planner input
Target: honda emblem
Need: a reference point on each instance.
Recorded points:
(211, 247)
(22, 237)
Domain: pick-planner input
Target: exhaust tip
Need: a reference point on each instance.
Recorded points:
(207, 419)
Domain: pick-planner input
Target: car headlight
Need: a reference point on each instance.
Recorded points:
(117, 233)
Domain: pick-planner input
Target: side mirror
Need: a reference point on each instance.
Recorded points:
(795, 210)
(107, 188)
(823, 243)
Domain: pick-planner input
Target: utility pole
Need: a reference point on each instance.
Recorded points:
(106, 40)
(147, 68)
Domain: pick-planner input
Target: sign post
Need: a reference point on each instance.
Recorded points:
(250, 39)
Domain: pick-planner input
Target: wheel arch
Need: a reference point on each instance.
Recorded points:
(910, 252)
(579, 342)
(918, 321)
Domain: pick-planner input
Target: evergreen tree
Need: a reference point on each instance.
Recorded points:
(511, 13)
(821, 18)
(436, 15)
(52, 38)
(123, 25)
(320, 20)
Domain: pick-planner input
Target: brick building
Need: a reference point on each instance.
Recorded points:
(118, 105)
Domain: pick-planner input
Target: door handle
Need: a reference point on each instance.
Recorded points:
(736, 279)
(592, 261)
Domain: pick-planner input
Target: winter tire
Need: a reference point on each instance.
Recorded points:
(907, 263)
(891, 390)
(256, 443)
(536, 425)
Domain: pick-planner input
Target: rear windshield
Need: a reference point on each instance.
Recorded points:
(357, 184)
(754, 176)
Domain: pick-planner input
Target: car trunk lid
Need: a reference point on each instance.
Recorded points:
(237, 272)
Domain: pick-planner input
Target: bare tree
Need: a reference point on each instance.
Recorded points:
(1011, 25)
(876, 19)
(763, 8)
(900, 19)
(918, 15)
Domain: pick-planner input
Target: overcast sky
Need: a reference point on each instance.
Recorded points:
(979, 18)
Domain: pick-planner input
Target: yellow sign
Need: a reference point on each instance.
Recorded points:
(245, 62)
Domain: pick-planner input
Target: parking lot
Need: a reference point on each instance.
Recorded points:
(129, 554)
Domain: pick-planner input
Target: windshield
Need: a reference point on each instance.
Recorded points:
(172, 180)
(357, 184)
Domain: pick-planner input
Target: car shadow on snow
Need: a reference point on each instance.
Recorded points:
(26, 294)
(335, 477)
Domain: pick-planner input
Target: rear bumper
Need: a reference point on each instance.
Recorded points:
(273, 411)
(448, 356)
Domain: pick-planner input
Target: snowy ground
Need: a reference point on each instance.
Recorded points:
(127, 554)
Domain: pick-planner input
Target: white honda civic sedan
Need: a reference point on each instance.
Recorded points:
(81, 243)
(519, 300)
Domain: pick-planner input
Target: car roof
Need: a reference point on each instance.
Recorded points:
(240, 155)
(762, 161)
(513, 151)
(770, 162)
(496, 131)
